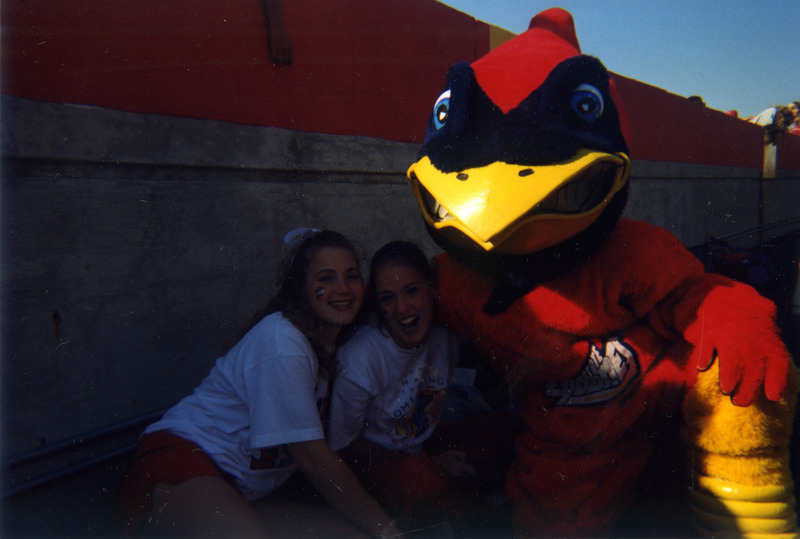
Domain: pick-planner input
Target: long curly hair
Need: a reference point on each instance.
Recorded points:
(292, 301)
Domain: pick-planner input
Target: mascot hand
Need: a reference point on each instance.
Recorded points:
(744, 369)
(736, 326)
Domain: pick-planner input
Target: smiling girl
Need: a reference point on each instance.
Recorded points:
(389, 394)
(256, 418)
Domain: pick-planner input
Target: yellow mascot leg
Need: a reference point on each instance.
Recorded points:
(742, 482)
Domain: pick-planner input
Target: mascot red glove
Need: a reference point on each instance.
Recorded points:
(622, 350)
(740, 328)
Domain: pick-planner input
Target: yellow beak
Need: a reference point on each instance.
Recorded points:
(518, 209)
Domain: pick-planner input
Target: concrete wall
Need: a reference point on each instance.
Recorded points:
(697, 202)
(135, 246)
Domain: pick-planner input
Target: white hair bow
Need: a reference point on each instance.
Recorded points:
(295, 237)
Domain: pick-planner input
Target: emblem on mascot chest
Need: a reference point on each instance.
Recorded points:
(607, 373)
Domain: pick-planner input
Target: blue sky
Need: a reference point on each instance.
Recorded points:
(736, 54)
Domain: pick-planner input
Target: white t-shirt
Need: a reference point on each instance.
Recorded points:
(391, 396)
(264, 393)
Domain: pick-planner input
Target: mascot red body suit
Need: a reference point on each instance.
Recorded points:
(642, 380)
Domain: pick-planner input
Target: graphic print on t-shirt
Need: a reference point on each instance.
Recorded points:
(423, 415)
(421, 402)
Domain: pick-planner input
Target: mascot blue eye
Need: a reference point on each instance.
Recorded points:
(587, 102)
(441, 109)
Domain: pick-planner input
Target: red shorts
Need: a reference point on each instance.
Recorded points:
(413, 486)
(160, 456)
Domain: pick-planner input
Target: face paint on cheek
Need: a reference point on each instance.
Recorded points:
(319, 292)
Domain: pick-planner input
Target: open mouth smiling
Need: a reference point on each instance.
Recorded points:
(341, 305)
(409, 322)
(581, 194)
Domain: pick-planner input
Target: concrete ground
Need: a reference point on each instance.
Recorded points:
(80, 505)
(84, 505)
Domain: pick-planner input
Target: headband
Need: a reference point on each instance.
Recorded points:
(295, 237)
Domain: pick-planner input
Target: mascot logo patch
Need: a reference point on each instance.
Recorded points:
(606, 374)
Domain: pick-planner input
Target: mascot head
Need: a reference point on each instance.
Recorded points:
(524, 154)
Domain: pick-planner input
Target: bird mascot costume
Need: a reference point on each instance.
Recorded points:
(644, 382)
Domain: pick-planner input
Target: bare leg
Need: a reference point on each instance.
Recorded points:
(201, 507)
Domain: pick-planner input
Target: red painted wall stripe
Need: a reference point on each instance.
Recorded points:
(361, 67)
